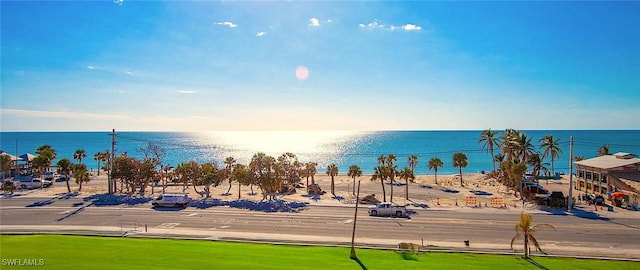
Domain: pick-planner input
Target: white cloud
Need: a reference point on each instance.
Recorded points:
(329, 20)
(314, 22)
(411, 27)
(372, 25)
(230, 24)
(60, 114)
(260, 34)
(91, 67)
(376, 24)
(186, 92)
(118, 2)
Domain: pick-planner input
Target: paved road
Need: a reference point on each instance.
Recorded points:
(485, 228)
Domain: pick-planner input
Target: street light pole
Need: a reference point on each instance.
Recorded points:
(569, 207)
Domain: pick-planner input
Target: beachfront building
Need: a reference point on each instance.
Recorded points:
(609, 173)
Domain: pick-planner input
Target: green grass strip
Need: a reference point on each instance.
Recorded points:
(89, 252)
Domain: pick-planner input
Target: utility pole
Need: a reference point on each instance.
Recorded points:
(113, 149)
(569, 207)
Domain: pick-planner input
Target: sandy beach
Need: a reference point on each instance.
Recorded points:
(423, 191)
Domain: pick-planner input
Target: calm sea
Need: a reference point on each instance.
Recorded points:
(324, 147)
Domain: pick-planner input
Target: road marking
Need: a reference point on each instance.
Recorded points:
(65, 212)
(346, 221)
(168, 225)
(190, 215)
(224, 227)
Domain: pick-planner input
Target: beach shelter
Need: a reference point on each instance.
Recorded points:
(13, 158)
(618, 194)
(28, 157)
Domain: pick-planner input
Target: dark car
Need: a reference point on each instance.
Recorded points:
(536, 189)
(556, 199)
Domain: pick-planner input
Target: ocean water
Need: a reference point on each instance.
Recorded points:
(344, 148)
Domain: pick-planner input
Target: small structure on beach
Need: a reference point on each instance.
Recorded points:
(609, 173)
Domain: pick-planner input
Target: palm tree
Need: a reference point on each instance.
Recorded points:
(525, 229)
(525, 147)
(380, 173)
(603, 150)
(391, 173)
(537, 166)
(510, 144)
(41, 164)
(490, 139)
(98, 158)
(6, 164)
(434, 164)
(48, 154)
(551, 148)
(407, 174)
(310, 170)
(382, 159)
(241, 175)
(80, 174)
(413, 162)
(460, 161)
(332, 170)
(229, 162)
(64, 168)
(354, 171)
(79, 155)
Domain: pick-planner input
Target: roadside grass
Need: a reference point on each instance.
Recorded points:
(90, 252)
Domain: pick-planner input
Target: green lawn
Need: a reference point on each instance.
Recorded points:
(87, 252)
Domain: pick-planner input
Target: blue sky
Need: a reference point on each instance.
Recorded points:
(208, 65)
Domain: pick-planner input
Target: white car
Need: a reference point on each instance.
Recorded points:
(387, 209)
(171, 200)
(32, 183)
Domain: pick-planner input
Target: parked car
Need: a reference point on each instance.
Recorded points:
(387, 209)
(481, 192)
(48, 176)
(594, 199)
(171, 200)
(555, 199)
(536, 188)
(33, 183)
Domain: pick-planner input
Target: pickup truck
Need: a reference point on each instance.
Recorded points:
(32, 183)
(387, 209)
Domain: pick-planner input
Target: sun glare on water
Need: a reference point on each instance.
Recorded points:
(307, 145)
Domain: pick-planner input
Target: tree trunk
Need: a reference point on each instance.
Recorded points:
(384, 194)
(239, 185)
(526, 246)
(354, 186)
(144, 186)
(461, 184)
(313, 181)
(391, 191)
(436, 177)
(406, 189)
(196, 190)
(66, 177)
(333, 189)
(229, 189)
(80, 189)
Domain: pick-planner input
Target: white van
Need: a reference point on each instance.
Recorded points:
(171, 200)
